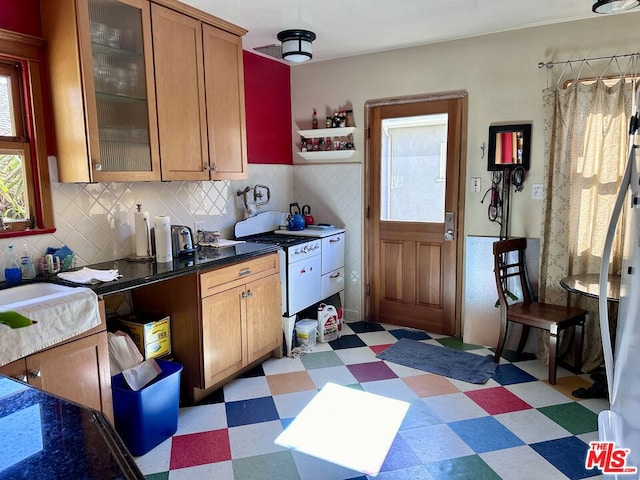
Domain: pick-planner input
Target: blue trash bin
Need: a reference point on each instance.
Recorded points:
(147, 417)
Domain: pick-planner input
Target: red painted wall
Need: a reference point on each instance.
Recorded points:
(267, 91)
(21, 16)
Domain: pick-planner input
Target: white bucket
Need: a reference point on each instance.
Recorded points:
(306, 332)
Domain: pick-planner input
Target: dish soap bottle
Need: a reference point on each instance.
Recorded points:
(12, 272)
(26, 265)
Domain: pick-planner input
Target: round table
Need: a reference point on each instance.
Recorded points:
(588, 284)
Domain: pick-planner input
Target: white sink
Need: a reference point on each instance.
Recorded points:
(13, 297)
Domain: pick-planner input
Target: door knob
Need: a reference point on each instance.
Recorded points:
(449, 226)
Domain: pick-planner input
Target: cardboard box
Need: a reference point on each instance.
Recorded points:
(151, 334)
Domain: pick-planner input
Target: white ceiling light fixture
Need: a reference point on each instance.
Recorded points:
(614, 6)
(296, 45)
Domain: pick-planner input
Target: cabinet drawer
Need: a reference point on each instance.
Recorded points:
(332, 252)
(332, 282)
(251, 269)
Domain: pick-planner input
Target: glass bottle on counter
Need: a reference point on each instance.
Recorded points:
(314, 119)
(26, 265)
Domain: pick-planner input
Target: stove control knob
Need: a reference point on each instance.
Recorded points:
(305, 249)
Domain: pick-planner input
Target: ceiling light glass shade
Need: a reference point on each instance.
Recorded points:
(296, 45)
(614, 6)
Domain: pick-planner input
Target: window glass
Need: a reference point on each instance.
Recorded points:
(413, 168)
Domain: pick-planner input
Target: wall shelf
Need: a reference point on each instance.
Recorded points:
(327, 132)
(328, 154)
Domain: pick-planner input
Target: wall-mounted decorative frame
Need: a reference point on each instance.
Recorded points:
(509, 146)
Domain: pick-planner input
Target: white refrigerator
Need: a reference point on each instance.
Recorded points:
(621, 423)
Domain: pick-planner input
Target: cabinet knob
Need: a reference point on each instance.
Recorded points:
(22, 378)
(35, 374)
(249, 293)
(97, 167)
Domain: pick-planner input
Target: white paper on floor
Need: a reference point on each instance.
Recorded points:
(346, 426)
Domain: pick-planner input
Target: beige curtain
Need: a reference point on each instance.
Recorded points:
(586, 135)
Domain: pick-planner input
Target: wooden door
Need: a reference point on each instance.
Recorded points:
(75, 371)
(415, 201)
(264, 323)
(222, 335)
(224, 86)
(182, 119)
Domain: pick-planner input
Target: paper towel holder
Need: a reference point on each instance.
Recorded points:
(149, 256)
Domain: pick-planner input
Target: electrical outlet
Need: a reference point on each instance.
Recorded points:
(537, 191)
(476, 184)
(198, 225)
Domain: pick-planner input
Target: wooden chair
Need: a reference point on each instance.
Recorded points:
(509, 263)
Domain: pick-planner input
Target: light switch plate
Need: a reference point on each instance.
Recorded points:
(476, 184)
(537, 191)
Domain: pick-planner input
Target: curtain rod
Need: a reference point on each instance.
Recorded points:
(608, 57)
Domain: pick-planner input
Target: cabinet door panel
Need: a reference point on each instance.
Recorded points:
(70, 371)
(222, 344)
(264, 324)
(102, 89)
(177, 47)
(17, 369)
(225, 104)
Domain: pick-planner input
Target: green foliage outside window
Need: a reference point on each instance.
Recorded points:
(13, 204)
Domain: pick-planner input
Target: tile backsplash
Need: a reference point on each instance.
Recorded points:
(95, 220)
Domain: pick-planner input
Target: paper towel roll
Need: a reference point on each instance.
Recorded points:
(163, 239)
(143, 241)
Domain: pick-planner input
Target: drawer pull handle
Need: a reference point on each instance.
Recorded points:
(334, 240)
(335, 275)
(246, 271)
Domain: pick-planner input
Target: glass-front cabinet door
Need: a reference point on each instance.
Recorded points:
(123, 138)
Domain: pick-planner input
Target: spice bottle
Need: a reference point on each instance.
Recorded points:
(349, 120)
(314, 119)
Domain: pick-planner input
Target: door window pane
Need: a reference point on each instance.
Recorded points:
(413, 168)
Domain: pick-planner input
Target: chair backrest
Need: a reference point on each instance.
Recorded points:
(509, 263)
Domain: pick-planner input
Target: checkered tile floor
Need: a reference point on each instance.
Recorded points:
(516, 426)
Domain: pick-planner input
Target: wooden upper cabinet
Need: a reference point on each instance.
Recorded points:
(101, 72)
(224, 84)
(182, 115)
(145, 91)
(202, 129)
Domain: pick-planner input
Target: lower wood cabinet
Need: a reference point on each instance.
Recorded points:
(223, 321)
(239, 325)
(77, 370)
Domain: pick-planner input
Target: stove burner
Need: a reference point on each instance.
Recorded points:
(282, 240)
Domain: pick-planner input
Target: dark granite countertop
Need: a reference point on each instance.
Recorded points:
(135, 274)
(44, 436)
